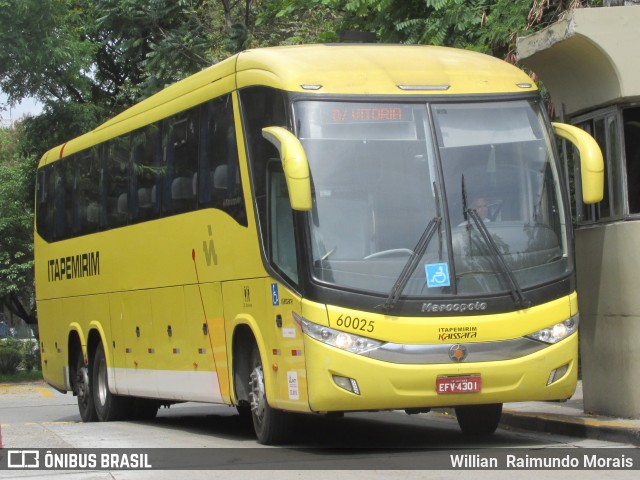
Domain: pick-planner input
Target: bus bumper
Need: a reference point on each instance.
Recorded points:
(386, 386)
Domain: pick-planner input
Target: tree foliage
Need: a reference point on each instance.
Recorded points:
(107, 52)
(16, 227)
(488, 26)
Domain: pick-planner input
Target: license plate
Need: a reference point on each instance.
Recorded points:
(462, 384)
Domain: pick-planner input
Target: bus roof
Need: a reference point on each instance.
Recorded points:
(378, 69)
(361, 69)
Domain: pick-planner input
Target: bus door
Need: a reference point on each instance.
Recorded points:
(288, 353)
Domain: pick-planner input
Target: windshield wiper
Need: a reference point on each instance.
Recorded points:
(471, 214)
(516, 291)
(412, 263)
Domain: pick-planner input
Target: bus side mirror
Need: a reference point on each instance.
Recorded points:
(591, 163)
(294, 164)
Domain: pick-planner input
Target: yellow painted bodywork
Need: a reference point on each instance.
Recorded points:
(336, 69)
(295, 166)
(385, 385)
(395, 386)
(591, 161)
(170, 292)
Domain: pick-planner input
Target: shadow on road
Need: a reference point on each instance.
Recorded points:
(383, 430)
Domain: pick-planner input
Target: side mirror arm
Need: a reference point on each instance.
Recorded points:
(294, 165)
(591, 161)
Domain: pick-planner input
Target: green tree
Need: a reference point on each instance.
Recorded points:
(104, 53)
(488, 26)
(16, 227)
(44, 51)
(10, 356)
(286, 22)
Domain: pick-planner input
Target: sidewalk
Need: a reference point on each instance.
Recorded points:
(569, 418)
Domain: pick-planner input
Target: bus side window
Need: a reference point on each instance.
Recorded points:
(62, 184)
(146, 158)
(218, 178)
(261, 107)
(181, 157)
(86, 201)
(117, 183)
(44, 202)
(282, 247)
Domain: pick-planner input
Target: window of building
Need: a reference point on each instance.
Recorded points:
(631, 122)
(604, 127)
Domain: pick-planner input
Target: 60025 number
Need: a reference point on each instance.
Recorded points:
(356, 323)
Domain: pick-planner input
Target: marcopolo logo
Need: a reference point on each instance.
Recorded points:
(458, 307)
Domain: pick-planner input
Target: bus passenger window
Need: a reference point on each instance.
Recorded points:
(146, 157)
(117, 182)
(218, 178)
(86, 214)
(181, 157)
(261, 107)
(44, 207)
(62, 201)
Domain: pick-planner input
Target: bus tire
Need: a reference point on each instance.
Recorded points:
(83, 389)
(108, 406)
(479, 420)
(271, 425)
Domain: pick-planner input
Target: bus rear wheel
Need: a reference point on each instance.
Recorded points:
(479, 420)
(108, 406)
(271, 425)
(83, 384)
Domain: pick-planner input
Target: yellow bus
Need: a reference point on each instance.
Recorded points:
(316, 229)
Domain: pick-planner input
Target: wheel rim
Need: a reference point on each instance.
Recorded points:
(83, 384)
(257, 392)
(101, 381)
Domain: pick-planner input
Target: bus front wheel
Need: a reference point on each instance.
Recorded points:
(479, 420)
(271, 425)
(108, 406)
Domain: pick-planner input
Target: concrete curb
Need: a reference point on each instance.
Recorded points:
(582, 427)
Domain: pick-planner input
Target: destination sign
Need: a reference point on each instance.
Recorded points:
(361, 114)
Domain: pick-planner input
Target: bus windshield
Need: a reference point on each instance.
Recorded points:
(382, 171)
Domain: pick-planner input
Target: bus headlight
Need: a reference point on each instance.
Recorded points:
(557, 332)
(336, 338)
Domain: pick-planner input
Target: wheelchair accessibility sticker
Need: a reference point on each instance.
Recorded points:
(437, 275)
(275, 297)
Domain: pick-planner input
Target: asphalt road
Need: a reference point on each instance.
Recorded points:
(358, 446)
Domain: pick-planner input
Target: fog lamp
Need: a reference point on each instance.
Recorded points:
(557, 374)
(349, 384)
